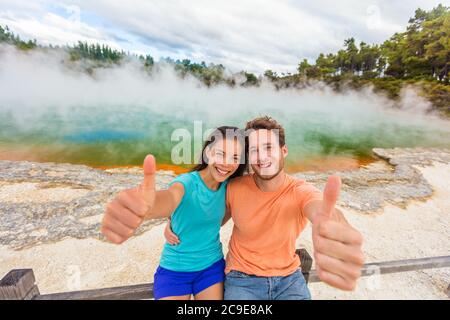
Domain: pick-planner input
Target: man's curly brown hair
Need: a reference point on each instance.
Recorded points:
(268, 123)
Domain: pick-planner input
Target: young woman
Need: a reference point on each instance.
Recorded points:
(196, 266)
(195, 202)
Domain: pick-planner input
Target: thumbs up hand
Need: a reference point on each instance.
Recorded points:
(147, 187)
(337, 246)
(125, 213)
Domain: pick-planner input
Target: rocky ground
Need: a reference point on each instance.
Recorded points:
(50, 218)
(46, 202)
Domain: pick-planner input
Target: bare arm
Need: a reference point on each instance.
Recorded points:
(173, 239)
(166, 201)
(227, 216)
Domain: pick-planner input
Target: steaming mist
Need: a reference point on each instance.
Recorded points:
(117, 115)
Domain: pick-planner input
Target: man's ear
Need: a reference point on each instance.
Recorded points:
(284, 149)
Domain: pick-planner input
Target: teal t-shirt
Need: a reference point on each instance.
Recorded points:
(196, 222)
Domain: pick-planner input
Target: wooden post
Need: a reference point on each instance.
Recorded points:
(305, 262)
(448, 291)
(18, 284)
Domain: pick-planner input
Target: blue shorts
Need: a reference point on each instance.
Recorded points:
(169, 283)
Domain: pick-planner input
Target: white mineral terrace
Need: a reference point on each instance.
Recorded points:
(50, 216)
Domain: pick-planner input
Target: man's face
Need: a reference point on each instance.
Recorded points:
(266, 156)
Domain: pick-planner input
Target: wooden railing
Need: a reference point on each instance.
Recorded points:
(19, 284)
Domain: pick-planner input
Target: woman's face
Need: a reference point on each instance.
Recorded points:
(224, 158)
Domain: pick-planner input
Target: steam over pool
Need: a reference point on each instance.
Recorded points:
(52, 112)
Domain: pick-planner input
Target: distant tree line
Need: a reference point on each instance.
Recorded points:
(420, 54)
(6, 36)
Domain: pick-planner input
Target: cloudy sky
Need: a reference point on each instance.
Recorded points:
(251, 35)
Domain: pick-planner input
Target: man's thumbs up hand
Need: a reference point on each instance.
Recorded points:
(337, 246)
(125, 213)
(330, 196)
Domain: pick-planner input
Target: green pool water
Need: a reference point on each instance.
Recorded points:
(118, 135)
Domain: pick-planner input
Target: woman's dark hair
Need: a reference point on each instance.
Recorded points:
(224, 132)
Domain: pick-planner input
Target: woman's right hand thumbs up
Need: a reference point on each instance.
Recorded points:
(125, 213)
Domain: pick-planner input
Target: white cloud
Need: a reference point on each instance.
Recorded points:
(253, 35)
(54, 29)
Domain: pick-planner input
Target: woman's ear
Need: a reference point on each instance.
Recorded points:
(207, 155)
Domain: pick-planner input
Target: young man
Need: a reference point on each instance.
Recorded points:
(270, 209)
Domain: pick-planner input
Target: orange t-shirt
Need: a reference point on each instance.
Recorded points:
(267, 225)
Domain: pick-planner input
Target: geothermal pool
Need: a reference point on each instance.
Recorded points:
(121, 136)
(114, 118)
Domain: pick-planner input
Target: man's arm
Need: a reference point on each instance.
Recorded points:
(173, 239)
(227, 216)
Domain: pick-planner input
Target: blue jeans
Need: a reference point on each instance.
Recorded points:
(241, 286)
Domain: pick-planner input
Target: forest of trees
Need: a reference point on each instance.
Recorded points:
(95, 52)
(421, 52)
(419, 56)
(6, 36)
